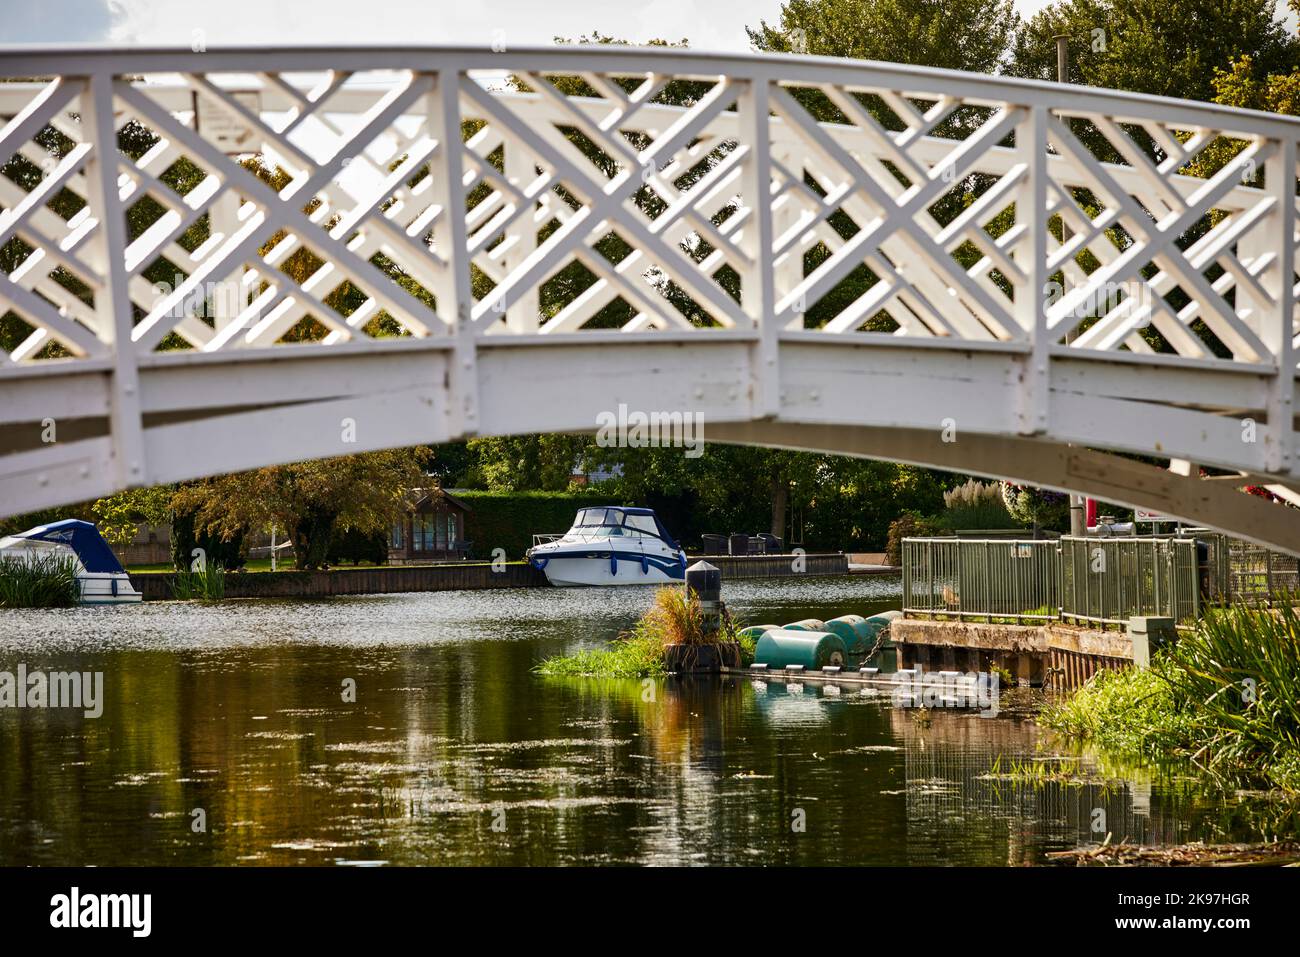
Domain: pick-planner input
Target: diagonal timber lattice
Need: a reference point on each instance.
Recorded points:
(209, 261)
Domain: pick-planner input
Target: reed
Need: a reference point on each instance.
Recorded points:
(44, 581)
(207, 584)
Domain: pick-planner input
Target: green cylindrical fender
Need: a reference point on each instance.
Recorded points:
(851, 629)
(808, 624)
(882, 621)
(812, 649)
(755, 631)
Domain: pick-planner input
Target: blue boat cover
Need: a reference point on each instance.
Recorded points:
(83, 538)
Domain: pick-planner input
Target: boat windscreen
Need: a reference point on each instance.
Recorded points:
(590, 516)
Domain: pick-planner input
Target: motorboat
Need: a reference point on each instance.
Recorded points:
(102, 578)
(610, 545)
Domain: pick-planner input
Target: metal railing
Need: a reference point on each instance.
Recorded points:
(986, 579)
(1083, 580)
(1237, 571)
(1106, 581)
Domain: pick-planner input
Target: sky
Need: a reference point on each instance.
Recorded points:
(707, 24)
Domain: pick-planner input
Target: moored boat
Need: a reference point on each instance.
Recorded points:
(101, 576)
(610, 545)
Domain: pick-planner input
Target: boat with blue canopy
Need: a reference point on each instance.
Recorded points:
(102, 578)
(610, 545)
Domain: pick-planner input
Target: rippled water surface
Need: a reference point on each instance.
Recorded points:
(456, 752)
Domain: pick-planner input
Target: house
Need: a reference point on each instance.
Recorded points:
(433, 529)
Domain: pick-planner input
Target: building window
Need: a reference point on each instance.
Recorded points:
(424, 536)
(399, 535)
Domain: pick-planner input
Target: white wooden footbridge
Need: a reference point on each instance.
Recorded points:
(1011, 278)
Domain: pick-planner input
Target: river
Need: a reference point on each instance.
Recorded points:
(226, 738)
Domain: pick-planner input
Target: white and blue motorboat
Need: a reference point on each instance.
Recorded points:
(102, 578)
(609, 545)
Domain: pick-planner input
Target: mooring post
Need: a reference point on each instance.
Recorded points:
(706, 581)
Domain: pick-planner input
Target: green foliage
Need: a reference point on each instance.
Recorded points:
(120, 516)
(225, 552)
(21, 523)
(636, 655)
(1039, 507)
(1227, 696)
(957, 34)
(534, 462)
(44, 581)
(1170, 49)
(366, 492)
(907, 525)
(206, 584)
(510, 519)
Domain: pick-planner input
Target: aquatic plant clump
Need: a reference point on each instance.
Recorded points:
(44, 581)
(1227, 696)
(675, 618)
(206, 584)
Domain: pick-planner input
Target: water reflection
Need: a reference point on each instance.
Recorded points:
(455, 751)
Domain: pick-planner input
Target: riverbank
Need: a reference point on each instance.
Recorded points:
(458, 576)
(1225, 696)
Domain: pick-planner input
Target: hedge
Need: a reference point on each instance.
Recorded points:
(510, 519)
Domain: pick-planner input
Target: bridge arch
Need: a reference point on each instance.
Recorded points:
(497, 243)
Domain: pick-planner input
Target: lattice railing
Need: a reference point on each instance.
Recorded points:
(238, 200)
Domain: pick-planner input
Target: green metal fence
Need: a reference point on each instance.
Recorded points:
(1106, 581)
(1244, 572)
(981, 578)
(1097, 581)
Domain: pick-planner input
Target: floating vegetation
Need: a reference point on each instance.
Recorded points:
(1187, 855)
(675, 618)
(42, 581)
(1067, 772)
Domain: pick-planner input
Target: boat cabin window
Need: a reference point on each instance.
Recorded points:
(599, 516)
(618, 521)
(642, 523)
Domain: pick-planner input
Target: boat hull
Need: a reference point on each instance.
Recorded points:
(108, 589)
(597, 569)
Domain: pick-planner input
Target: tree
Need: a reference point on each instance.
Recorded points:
(1168, 48)
(120, 516)
(365, 493)
(973, 35)
(1036, 506)
(514, 463)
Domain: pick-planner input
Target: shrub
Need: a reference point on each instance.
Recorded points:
(1037, 506)
(907, 525)
(975, 505)
(510, 519)
(675, 618)
(227, 554)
